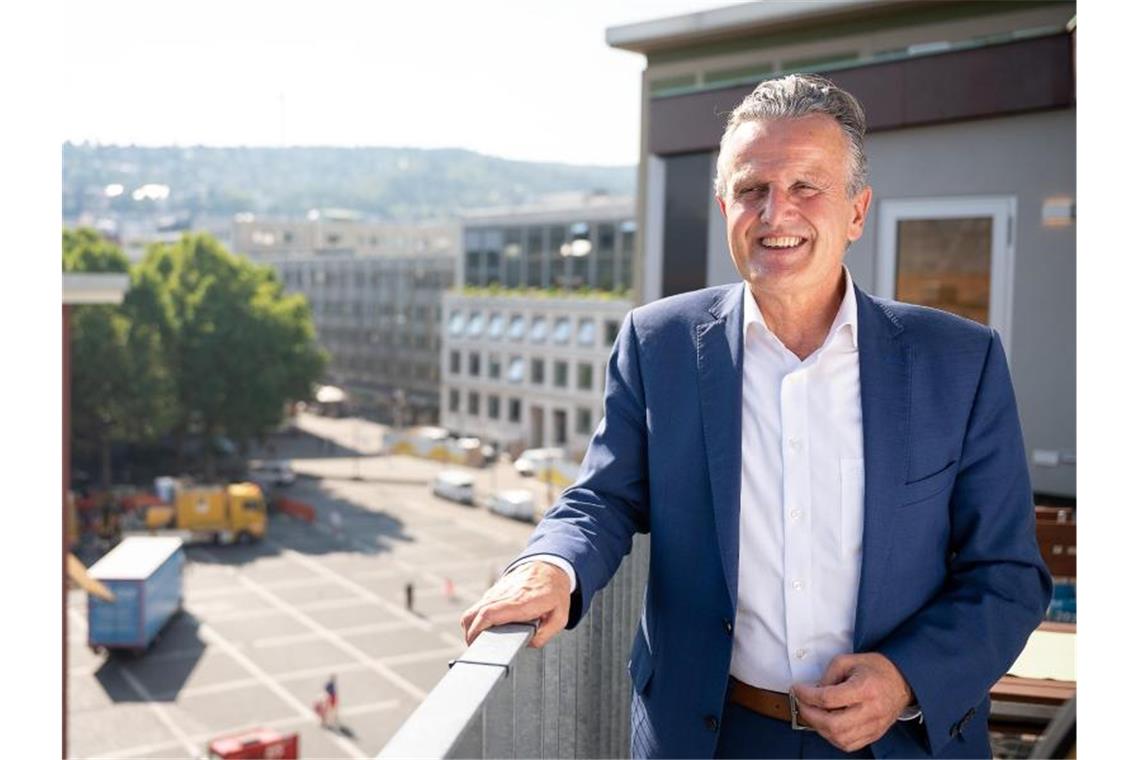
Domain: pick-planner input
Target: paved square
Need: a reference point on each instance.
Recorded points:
(265, 625)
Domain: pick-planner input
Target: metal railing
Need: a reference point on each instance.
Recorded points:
(502, 698)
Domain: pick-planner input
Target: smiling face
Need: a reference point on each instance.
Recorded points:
(785, 202)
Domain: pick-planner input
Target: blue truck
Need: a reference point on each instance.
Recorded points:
(144, 573)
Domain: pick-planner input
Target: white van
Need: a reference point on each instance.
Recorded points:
(274, 473)
(454, 485)
(513, 502)
(533, 460)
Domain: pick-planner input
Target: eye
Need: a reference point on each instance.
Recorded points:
(803, 188)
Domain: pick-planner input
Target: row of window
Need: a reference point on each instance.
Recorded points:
(596, 254)
(313, 277)
(381, 368)
(516, 370)
(474, 325)
(583, 417)
(369, 340)
(420, 313)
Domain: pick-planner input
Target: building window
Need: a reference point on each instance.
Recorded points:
(537, 371)
(455, 363)
(624, 279)
(585, 376)
(513, 257)
(561, 330)
(453, 400)
(606, 256)
(559, 427)
(535, 276)
(518, 327)
(514, 410)
(495, 326)
(538, 330)
(494, 366)
(475, 326)
(493, 407)
(583, 422)
(516, 371)
(612, 327)
(473, 403)
(456, 323)
(473, 364)
(561, 374)
(587, 331)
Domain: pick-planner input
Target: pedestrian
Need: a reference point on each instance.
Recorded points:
(409, 595)
(449, 589)
(330, 717)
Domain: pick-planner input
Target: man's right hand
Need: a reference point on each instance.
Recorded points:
(537, 591)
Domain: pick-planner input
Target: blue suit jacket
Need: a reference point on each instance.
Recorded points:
(952, 582)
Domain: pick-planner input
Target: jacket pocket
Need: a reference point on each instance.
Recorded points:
(928, 486)
(640, 662)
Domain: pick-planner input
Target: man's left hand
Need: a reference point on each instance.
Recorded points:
(857, 700)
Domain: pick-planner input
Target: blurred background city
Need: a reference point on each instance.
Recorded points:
(339, 292)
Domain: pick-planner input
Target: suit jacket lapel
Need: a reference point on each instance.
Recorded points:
(884, 380)
(720, 373)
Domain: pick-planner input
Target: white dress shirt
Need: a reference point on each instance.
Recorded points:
(801, 502)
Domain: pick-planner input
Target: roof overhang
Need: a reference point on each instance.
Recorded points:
(92, 288)
(736, 20)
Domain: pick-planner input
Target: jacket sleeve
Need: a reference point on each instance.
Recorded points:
(592, 523)
(997, 587)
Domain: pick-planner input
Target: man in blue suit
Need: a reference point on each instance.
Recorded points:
(843, 556)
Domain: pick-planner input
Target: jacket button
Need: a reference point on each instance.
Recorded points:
(728, 626)
(711, 723)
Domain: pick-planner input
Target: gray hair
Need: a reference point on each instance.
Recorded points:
(798, 95)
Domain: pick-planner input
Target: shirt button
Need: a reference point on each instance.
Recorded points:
(727, 626)
(711, 723)
(794, 444)
(798, 585)
(801, 653)
(796, 514)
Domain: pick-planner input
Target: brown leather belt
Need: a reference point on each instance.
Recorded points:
(770, 704)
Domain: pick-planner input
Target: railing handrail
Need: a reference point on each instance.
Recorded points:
(435, 727)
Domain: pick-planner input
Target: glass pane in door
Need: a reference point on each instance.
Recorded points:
(945, 263)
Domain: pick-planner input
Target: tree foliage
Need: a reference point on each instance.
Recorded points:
(226, 349)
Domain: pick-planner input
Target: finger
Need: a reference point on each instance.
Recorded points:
(827, 697)
(838, 670)
(549, 627)
(498, 613)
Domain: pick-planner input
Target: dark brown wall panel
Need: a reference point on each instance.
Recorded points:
(1004, 79)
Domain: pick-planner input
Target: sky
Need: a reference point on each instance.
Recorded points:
(523, 80)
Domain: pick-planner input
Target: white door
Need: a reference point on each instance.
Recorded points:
(954, 254)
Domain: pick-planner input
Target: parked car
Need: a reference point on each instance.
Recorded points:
(513, 502)
(533, 460)
(276, 473)
(454, 485)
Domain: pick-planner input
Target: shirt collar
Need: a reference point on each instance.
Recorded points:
(846, 319)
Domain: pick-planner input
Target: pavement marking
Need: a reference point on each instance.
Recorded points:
(78, 619)
(331, 604)
(239, 614)
(389, 625)
(305, 711)
(330, 636)
(281, 724)
(276, 641)
(159, 712)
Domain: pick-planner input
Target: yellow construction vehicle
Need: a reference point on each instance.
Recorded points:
(223, 514)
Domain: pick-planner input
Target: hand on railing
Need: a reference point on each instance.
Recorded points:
(538, 592)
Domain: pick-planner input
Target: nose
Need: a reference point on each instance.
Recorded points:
(777, 204)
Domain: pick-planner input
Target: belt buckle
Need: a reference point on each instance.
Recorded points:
(795, 710)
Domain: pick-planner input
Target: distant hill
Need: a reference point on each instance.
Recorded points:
(387, 183)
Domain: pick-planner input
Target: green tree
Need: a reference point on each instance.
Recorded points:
(237, 349)
(118, 388)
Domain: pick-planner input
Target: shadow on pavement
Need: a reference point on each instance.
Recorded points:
(161, 670)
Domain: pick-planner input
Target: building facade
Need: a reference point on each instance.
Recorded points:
(971, 112)
(376, 303)
(528, 336)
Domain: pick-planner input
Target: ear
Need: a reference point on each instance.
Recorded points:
(720, 204)
(860, 205)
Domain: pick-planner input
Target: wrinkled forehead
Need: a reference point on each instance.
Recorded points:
(814, 143)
